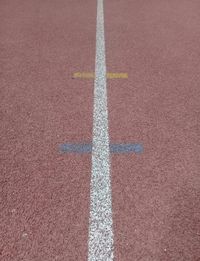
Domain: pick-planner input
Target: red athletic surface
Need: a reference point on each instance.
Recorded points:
(156, 195)
(45, 195)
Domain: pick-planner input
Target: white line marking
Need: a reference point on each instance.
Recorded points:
(100, 226)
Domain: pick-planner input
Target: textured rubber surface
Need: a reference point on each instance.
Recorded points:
(44, 194)
(156, 195)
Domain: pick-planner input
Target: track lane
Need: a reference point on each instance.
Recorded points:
(45, 207)
(155, 194)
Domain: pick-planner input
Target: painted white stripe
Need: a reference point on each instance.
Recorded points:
(100, 225)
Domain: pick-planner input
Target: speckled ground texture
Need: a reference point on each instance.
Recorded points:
(44, 194)
(156, 195)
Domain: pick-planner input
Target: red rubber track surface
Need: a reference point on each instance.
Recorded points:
(156, 195)
(44, 194)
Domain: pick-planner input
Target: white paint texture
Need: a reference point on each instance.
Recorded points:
(100, 245)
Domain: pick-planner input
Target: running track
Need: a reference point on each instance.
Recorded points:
(45, 195)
